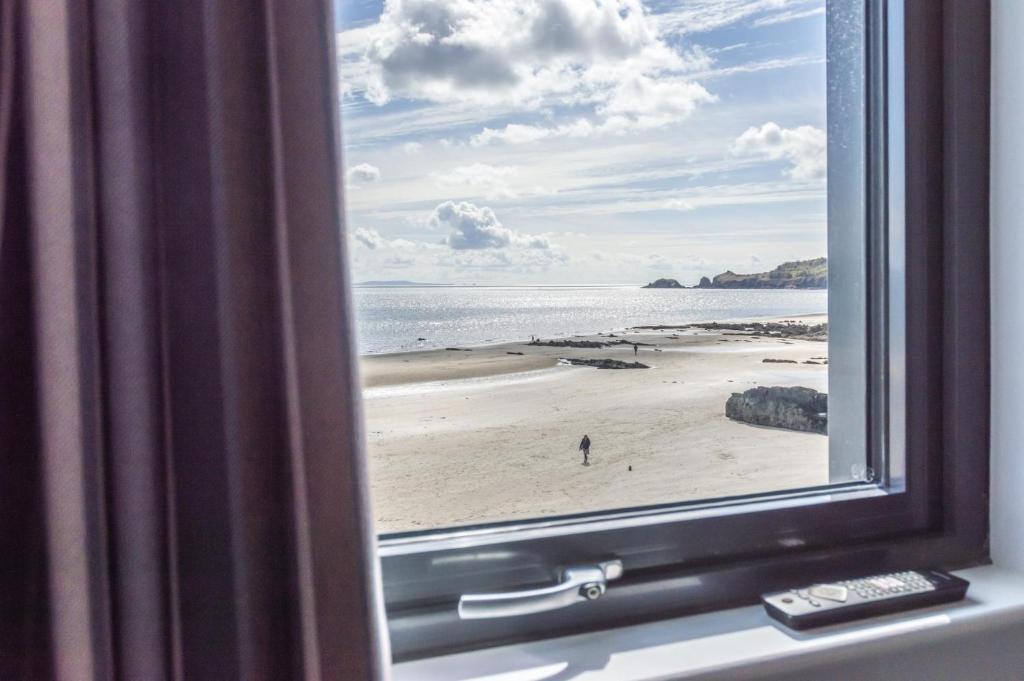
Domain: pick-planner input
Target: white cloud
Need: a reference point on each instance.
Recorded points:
(489, 181)
(520, 261)
(636, 103)
(762, 65)
(789, 15)
(699, 16)
(373, 240)
(653, 103)
(398, 262)
(363, 173)
(525, 54)
(370, 238)
(804, 147)
(679, 204)
(516, 133)
(497, 50)
(475, 227)
(412, 148)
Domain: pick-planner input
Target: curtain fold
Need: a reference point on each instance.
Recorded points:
(180, 448)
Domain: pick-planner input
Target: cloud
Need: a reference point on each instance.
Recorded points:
(519, 261)
(789, 15)
(363, 173)
(804, 147)
(524, 54)
(482, 179)
(398, 262)
(412, 148)
(699, 16)
(678, 204)
(636, 103)
(490, 181)
(652, 103)
(497, 50)
(475, 227)
(370, 238)
(516, 133)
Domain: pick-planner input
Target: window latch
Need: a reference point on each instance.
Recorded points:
(578, 584)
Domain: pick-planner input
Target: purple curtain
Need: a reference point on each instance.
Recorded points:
(182, 486)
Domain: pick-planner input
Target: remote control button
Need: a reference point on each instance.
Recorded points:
(787, 599)
(830, 592)
(815, 603)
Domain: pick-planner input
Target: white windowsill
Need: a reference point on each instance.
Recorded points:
(720, 645)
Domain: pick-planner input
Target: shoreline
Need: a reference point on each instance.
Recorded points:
(501, 357)
(477, 436)
(603, 332)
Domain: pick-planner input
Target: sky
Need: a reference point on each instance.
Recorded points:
(581, 142)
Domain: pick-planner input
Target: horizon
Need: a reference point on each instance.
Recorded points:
(637, 141)
(412, 283)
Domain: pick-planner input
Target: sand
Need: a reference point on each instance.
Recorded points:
(461, 438)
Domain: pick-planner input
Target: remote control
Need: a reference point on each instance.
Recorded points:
(834, 602)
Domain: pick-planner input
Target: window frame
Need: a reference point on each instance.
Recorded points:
(692, 557)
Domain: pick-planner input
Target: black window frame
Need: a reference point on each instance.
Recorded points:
(688, 558)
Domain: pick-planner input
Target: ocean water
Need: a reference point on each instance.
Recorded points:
(392, 319)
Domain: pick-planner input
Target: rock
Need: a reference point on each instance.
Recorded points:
(665, 283)
(796, 408)
(777, 330)
(779, 361)
(513, 353)
(704, 283)
(569, 344)
(623, 341)
(604, 363)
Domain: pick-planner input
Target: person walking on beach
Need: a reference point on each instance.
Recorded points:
(585, 448)
(636, 349)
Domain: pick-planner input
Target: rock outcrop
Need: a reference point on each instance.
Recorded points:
(790, 330)
(795, 274)
(604, 363)
(665, 283)
(796, 408)
(566, 343)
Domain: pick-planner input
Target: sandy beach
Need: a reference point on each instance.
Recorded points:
(476, 435)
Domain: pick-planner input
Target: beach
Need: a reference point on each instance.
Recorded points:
(479, 434)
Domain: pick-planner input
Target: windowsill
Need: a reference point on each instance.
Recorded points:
(720, 645)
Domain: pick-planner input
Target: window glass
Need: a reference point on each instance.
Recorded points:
(588, 239)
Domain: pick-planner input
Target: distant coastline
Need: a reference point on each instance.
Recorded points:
(797, 274)
(398, 283)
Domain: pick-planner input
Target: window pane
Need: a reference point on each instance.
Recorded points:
(589, 242)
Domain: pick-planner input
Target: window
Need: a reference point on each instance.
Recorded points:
(451, 136)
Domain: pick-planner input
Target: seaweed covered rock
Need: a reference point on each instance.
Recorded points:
(795, 408)
(604, 363)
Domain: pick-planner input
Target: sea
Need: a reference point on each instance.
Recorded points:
(407, 318)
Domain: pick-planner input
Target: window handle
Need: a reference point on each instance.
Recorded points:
(578, 584)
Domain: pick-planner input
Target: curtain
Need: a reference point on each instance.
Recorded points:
(182, 488)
